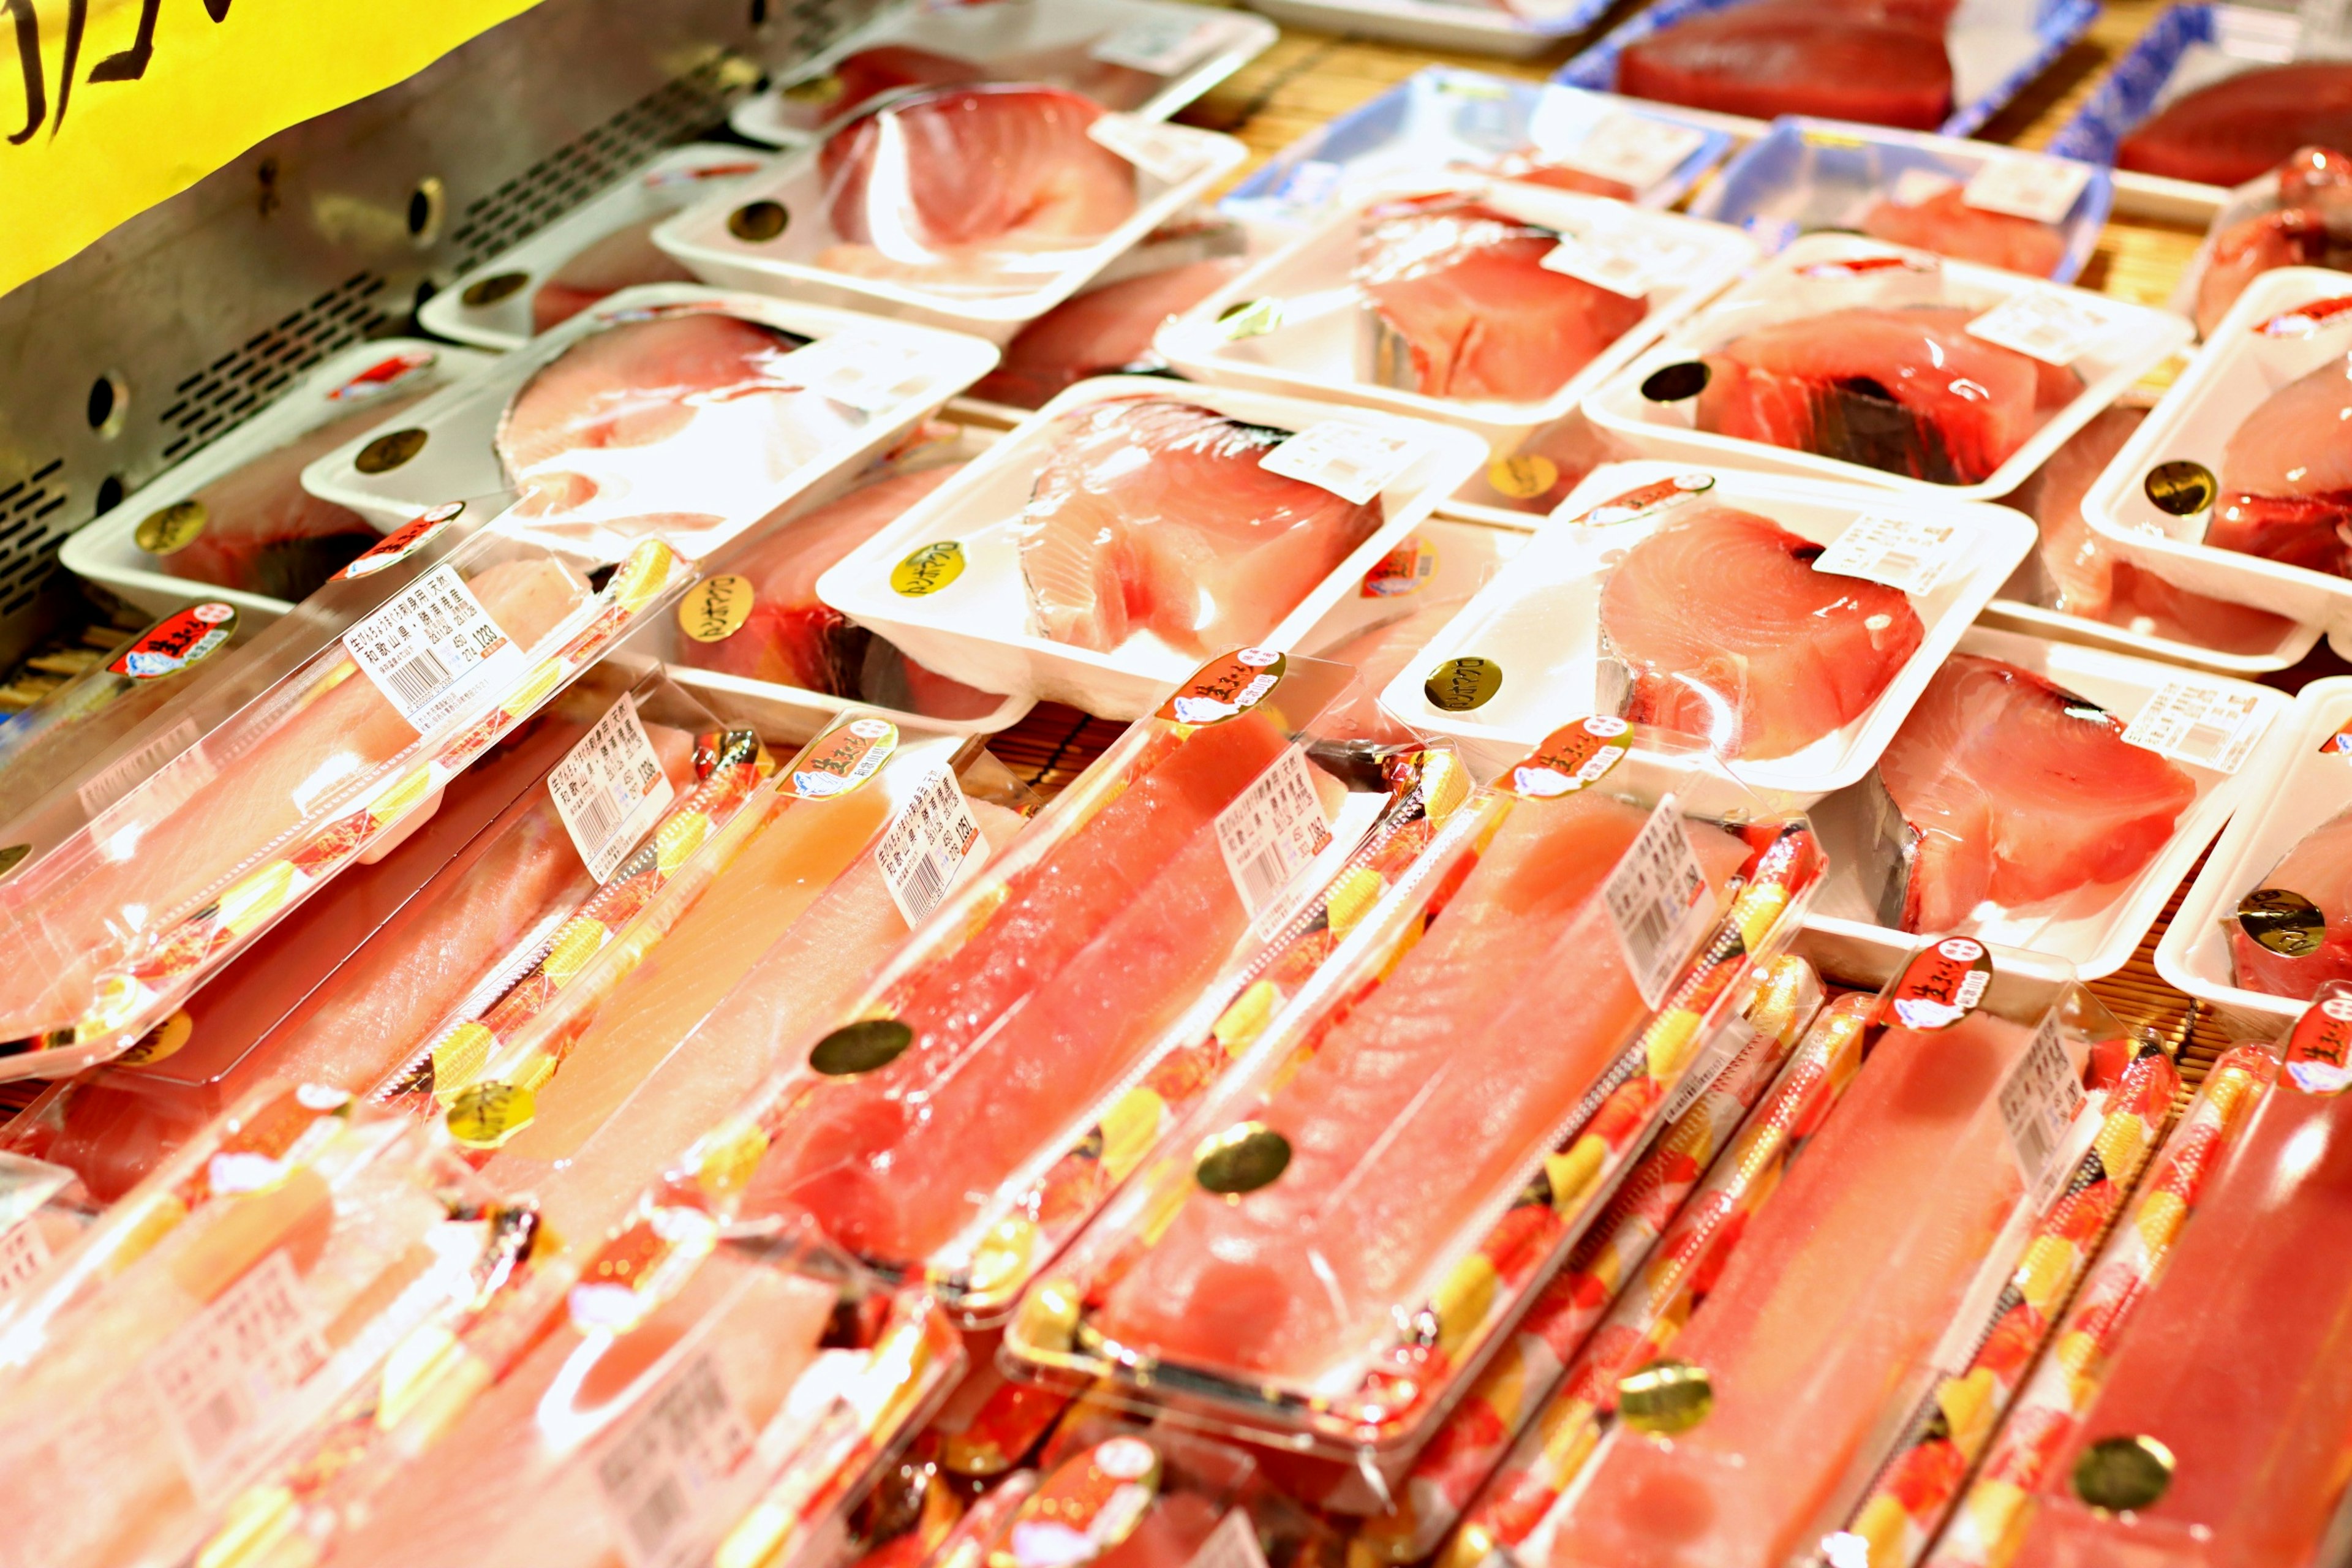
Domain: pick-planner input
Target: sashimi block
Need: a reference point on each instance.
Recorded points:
(1102, 331)
(2228, 133)
(1881, 64)
(2020, 793)
(1945, 224)
(621, 259)
(2286, 475)
(1426, 1103)
(1462, 306)
(1838, 1290)
(1906, 390)
(2319, 867)
(1730, 635)
(1154, 515)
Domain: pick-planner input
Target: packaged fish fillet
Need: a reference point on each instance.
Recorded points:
(667, 411)
(1988, 1526)
(978, 206)
(2024, 212)
(2043, 796)
(2296, 215)
(1443, 122)
(1329, 1246)
(599, 247)
(2193, 1450)
(1849, 358)
(230, 521)
(1943, 1195)
(1491, 304)
(1142, 56)
(348, 990)
(1920, 65)
(1731, 1074)
(1789, 623)
(168, 1357)
(964, 1110)
(428, 650)
(2232, 486)
(1098, 553)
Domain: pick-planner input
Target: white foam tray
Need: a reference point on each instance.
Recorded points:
(2292, 787)
(677, 179)
(2024, 615)
(1540, 620)
(1472, 27)
(458, 459)
(788, 264)
(1000, 35)
(978, 625)
(105, 549)
(2097, 930)
(1315, 352)
(1468, 555)
(1775, 292)
(2225, 383)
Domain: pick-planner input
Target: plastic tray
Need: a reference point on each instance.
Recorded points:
(106, 549)
(2096, 938)
(977, 625)
(1539, 621)
(2139, 340)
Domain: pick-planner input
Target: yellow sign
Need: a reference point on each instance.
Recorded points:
(108, 107)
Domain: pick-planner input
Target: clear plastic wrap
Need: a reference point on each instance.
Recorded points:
(2297, 214)
(1329, 1244)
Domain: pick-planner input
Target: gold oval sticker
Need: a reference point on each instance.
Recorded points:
(2283, 921)
(163, 1040)
(485, 1115)
(714, 609)
(928, 570)
(1523, 477)
(2182, 488)
(490, 290)
(172, 528)
(862, 1046)
(2124, 1473)
(13, 856)
(1665, 1397)
(1241, 1159)
(1458, 685)
(387, 453)
(759, 222)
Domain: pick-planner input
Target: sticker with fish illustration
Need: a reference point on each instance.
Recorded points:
(1909, 554)
(1642, 500)
(1575, 756)
(716, 608)
(383, 374)
(169, 530)
(2054, 326)
(665, 1473)
(2019, 185)
(610, 789)
(1407, 569)
(432, 648)
(403, 541)
(1225, 688)
(2319, 1047)
(1659, 902)
(930, 846)
(1591, 135)
(2305, 320)
(1941, 984)
(2282, 920)
(2197, 722)
(1156, 46)
(179, 640)
(1353, 461)
(842, 758)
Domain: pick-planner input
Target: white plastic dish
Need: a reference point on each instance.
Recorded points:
(2240, 367)
(1183, 163)
(1539, 622)
(1462, 557)
(1472, 27)
(1315, 348)
(456, 457)
(977, 625)
(2135, 339)
(2293, 786)
(106, 549)
(2016, 611)
(1190, 48)
(2096, 930)
(491, 305)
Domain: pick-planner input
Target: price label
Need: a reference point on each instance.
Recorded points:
(1624, 261)
(431, 646)
(1917, 187)
(1309, 185)
(24, 1253)
(930, 846)
(2053, 327)
(1157, 46)
(1164, 151)
(2038, 1102)
(225, 1379)
(664, 1470)
(1659, 903)
(1720, 1052)
(2200, 724)
(2041, 189)
(1589, 134)
(1902, 552)
(1272, 830)
(1352, 461)
(610, 789)
(869, 374)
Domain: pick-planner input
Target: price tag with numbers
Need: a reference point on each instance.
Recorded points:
(1658, 901)
(931, 845)
(1625, 261)
(2038, 1102)
(226, 1380)
(610, 789)
(2199, 724)
(1355, 462)
(1272, 830)
(1163, 152)
(664, 1472)
(1591, 135)
(1909, 554)
(431, 647)
(2041, 189)
(2056, 327)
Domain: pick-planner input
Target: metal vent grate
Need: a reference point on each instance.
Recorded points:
(27, 534)
(241, 381)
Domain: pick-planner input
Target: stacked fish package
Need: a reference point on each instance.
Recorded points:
(1332, 1243)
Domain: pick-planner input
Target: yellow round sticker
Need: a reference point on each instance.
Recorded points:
(172, 528)
(1458, 685)
(928, 570)
(714, 609)
(1523, 477)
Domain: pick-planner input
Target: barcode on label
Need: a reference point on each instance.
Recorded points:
(2055, 327)
(1658, 901)
(224, 1379)
(1272, 830)
(2198, 723)
(1160, 45)
(1720, 1052)
(24, 1253)
(2038, 1103)
(431, 647)
(1352, 461)
(931, 844)
(1902, 552)
(1623, 261)
(2041, 189)
(1587, 133)
(661, 1471)
(610, 789)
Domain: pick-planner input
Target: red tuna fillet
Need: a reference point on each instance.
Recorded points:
(858, 79)
(1101, 332)
(622, 259)
(1154, 515)
(1905, 391)
(1094, 950)
(2021, 793)
(1419, 1110)
(1946, 224)
(1730, 635)
(2286, 476)
(1878, 63)
(2311, 227)
(2227, 133)
(1462, 305)
(2320, 868)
